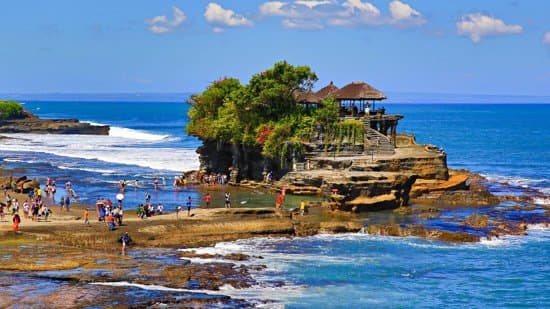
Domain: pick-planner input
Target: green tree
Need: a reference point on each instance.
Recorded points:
(10, 110)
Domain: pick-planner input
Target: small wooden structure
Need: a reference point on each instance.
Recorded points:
(358, 94)
(357, 101)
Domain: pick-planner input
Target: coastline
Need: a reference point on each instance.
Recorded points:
(49, 251)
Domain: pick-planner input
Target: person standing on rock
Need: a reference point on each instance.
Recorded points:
(207, 199)
(189, 202)
(125, 240)
(279, 200)
(16, 220)
(86, 216)
(227, 200)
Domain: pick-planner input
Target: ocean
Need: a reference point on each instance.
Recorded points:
(506, 143)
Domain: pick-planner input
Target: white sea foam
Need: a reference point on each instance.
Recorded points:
(538, 227)
(88, 169)
(541, 200)
(152, 287)
(132, 134)
(112, 149)
(19, 160)
(522, 182)
(251, 293)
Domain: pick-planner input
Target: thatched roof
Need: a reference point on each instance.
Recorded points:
(306, 97)
(327, 91)
(358, 91)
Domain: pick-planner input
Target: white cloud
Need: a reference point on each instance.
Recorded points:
(161, 24)
(216, 14)
(477, 26)
(404, 14)
(356, 13)
(317, 14)
(311, 3)
(273, 8)
(301, 24)
(546, 39)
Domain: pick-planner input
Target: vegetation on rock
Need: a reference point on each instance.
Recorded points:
(10, 110)
(264, 113)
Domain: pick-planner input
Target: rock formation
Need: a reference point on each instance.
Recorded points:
(32, 124)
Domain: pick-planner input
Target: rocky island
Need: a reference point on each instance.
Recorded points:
(14, 119)
(334, 142)
(276, 133)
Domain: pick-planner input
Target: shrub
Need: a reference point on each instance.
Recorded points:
(10, 110)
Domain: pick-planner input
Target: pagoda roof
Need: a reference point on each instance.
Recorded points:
(358, 91)
(326, 91)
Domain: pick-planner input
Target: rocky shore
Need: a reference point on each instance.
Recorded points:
(32, 124)
(88, 260)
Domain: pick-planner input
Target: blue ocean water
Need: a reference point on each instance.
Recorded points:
(508, 143)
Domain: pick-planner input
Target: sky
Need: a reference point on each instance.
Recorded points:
(493, 47)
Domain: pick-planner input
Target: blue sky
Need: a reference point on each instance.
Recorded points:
(464, 47)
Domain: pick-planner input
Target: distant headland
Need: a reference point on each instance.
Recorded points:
(15, 119)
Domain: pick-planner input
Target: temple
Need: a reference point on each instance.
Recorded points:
(357, 101)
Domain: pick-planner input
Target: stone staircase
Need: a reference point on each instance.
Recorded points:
(377, 143)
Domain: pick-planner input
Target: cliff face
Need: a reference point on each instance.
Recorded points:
(51, 126)
(351, 181)
(243, 162)
(434, 167)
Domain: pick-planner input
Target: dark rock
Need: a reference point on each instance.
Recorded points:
(51, 126)
(420, 231)
(477, 221)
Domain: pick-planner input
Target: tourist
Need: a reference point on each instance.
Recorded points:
(207, 199)
(279, 200)
(26, 208)
(178, 210)
(111, 221)
(147, 197)
(39, 193)
(31, 194)
(125, 240)
(136, 184)
(189, 202)
(62, 203)
(141, 211)
(86, 216)
(15, 208)
(2, 212)
(16, 220)
(45, 212)
(116, 215)
(35, 209)
(67, 203)
(120, 215)
(302, 208)
(156, 183)
(160, 209)
(227, 200)
(269, 177)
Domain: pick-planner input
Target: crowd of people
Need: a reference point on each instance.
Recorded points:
(37, 207)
